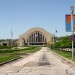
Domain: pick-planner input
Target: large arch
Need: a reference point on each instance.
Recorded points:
(35, 36)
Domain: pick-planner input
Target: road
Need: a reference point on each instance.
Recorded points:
(43, 62)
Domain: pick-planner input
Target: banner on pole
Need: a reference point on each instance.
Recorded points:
(68, 23)
(72, 37)
(74, 22)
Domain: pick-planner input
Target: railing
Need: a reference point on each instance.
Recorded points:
(66, 49)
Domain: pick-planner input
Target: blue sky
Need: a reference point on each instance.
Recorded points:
(21, 15)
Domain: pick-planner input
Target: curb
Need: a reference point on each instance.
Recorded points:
(9, 61)
(63, 58)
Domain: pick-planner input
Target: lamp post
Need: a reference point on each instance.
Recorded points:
(72, 11)
(53, 40)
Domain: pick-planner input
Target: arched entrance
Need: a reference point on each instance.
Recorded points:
(36, 38)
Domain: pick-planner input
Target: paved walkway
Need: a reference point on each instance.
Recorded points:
(43, 62)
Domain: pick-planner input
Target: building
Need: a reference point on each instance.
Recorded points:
(5, 43)
(35, 36)
(8, 42)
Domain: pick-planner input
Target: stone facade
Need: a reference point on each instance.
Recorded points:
(35, 36)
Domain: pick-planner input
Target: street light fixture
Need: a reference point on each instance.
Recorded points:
(72, 9)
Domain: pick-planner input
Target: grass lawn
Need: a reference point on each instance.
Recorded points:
(26, 50)
(6, 55)
(32, 50)
(65, 54)
(4, 58)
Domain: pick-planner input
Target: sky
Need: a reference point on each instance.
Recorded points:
(21, 15)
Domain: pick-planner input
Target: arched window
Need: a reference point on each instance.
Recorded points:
(37, 38)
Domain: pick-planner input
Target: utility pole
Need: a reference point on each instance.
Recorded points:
(11, 37)
(53, 40)
(72, 19)
(54, 37)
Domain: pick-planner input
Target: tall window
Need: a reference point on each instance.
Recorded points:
(37, 37)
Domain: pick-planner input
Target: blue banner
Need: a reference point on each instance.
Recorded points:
(74, 23)
(68, 23)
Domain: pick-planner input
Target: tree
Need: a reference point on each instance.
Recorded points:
(63, 42)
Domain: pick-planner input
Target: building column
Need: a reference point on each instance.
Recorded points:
(35, 37)
(42, 38)
(32, 38)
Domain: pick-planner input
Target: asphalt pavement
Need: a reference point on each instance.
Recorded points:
(43, 62)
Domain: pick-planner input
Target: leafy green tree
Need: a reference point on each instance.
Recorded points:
(63, 42)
